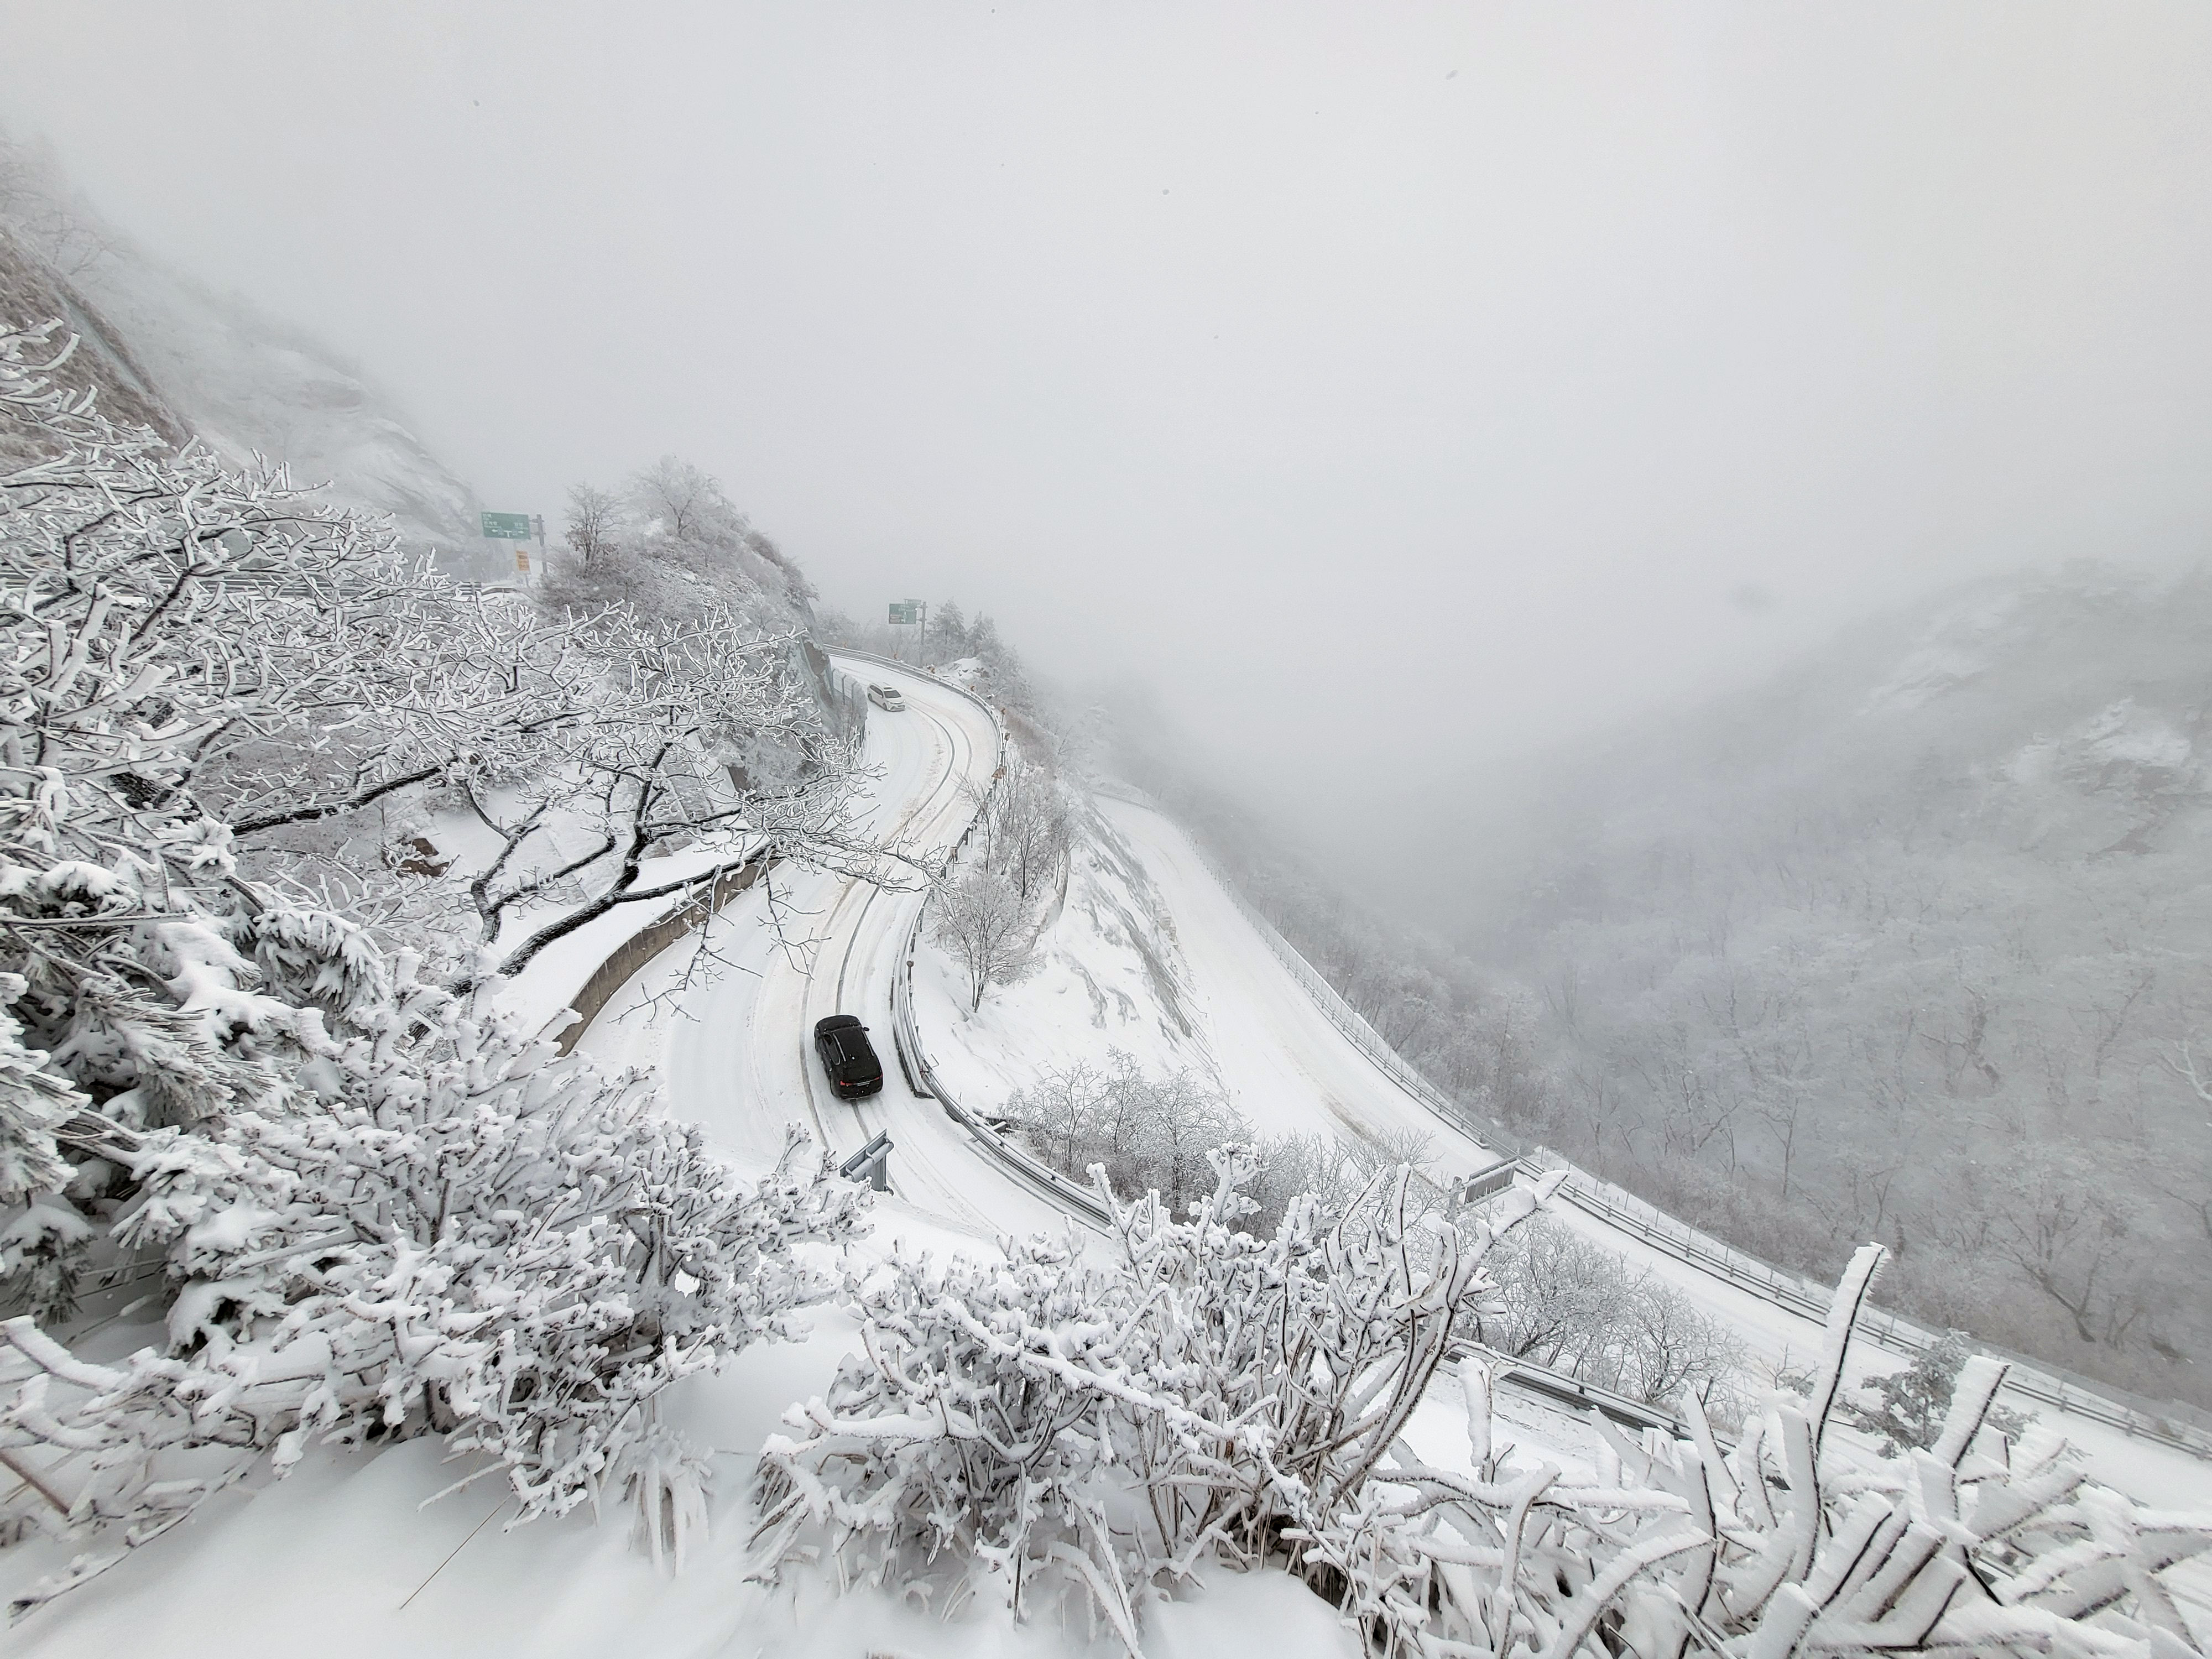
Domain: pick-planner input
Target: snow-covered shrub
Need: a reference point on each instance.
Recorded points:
(1146, 1132)
(1060, 1424)
(1572, 1305)
(671, 546)
(391, 1213)
(1907, 1408)
(366, 1205)
(1155, 1132)
(1784, 1544)
(1049, 1426)
(211, 642)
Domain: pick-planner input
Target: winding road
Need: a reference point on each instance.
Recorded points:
(733, 1037)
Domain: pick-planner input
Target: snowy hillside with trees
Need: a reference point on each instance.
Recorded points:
(164, 349)
(285, 1186)
(1908, 943)
(308, 1221)
(1911, 944)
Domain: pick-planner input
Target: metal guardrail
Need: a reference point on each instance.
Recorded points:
(1055, 1188)
(1558, 1387)
(871, 1163)
(2163, 1425)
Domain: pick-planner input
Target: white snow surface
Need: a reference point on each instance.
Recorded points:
(1109, 976)
(1285, 1066)
(349, 1556)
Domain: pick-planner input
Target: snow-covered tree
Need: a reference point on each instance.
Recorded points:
(697, 736)
(302, 674)
(684, 499)
(1571, 1305)
(1031, 826)
(369, 1204)
(978, 917)
(948, 632)
(1907, 1408)
(595, 523)
(1143, 1133)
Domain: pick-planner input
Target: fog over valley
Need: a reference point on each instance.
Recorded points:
(1066, 832)
(1470, 360)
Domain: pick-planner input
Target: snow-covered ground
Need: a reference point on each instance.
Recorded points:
(349, 1556)
(1110, 976)
(1286, 1067)
(737, 1049)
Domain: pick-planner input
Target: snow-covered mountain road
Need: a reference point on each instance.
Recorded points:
(734, 1038)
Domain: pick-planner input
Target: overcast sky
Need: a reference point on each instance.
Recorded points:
(1390, 386)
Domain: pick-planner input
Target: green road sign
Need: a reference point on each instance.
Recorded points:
(506, 526)
(906, 610)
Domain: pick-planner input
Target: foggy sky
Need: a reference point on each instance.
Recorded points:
(1390, 387)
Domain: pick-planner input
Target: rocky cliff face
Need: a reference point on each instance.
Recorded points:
(32, 291)
(162, 349)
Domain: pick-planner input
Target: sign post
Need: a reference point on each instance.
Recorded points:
(512, 527)
(905, 613)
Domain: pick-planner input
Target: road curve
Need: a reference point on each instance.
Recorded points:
(733, 1037)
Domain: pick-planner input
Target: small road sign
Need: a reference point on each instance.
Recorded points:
(871, 1162)
(906, 610)
(506, 526)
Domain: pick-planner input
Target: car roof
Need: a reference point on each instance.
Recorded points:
(834, 1022)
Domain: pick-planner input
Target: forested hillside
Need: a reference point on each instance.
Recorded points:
(1909, 944)
(1914, 942)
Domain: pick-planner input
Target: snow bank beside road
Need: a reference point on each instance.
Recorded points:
(1109, 976)
(1286, 1067)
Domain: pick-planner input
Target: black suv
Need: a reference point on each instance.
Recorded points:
(847, 1056)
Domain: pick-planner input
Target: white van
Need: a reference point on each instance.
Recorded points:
(886, 697)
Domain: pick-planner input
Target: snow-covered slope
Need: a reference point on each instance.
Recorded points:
(165, 349)
(351, 1553)
(1293, 1070)
(1110, 975)
(1912, 943)
(249, 385)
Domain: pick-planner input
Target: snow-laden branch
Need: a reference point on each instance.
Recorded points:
(1057, 1427)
